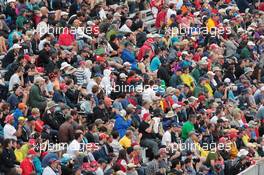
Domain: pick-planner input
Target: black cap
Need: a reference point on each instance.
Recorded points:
(31, 118)
(101, 160)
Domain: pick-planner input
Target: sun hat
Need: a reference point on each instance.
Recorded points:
(251, 43)
(216, 69)
(51, 104)
(170, 114)
(64, 65)
(248, 69)
(16, 46)
(176, 105)
(242, 152)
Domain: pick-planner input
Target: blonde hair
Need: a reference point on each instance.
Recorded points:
(35, 111)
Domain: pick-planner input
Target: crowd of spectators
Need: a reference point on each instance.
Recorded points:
(92, 87)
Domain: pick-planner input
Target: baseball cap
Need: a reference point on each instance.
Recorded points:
(145, 116)
(22, 106)
(9, 118)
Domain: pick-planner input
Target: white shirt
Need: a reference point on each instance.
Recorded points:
(214, 119)
(80, 34)
(116, 146)
(41, 44)
(13, 80)
(148, 94)
(102, 14)
(73, 148)
(90, 85)
(166, 138)
(88, 74)
(170, 12)
(9, 132)
(49, 171)
(42, 28)
(125, 29)
(99, 171)
(156, 124)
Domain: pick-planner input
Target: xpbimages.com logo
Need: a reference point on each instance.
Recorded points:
(88, 30)
(213, 31)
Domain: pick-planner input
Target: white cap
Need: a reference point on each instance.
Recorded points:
(122, 75)
(150, 35)
(185, 53)
(122, 113)
(250, 43)
(9, 1)
(64, 13)
(225, 20)
(156, 35)
(64, 65)
(227, 80)
(16, 46)
(224, 119)
(240, 30)
(176, 105)
(202, 62)
(262, 88)
(127, 64)
(196, 13)
(242, 152)
(210, 73)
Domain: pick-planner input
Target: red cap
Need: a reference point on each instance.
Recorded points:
(103, 136)
(179, 54)
(222, 140)
(82, 63)
(32, 142)
(232, 135)
(8, 118)
(213, 46)
(201, 98)
(100, 59)
(27, 57)
(181, 103)
(150, 40)
(145, 116)
(63, 86)
(40, 69)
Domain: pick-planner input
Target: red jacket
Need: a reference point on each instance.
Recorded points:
(143, 50)
(66, 38)
(27, 166)
(161, 18)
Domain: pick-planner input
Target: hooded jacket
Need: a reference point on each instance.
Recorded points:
(106, 83)
(121, 125)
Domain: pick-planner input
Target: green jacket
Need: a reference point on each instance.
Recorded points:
(245, 53)
(186, 129)
(199, 89)
(36, 100)
(20, 21)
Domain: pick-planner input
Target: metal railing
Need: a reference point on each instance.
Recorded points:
(256, 169)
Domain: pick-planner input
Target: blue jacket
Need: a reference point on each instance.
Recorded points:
(128, 56)
(121, 125)
(37, 165)
(17, 113)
